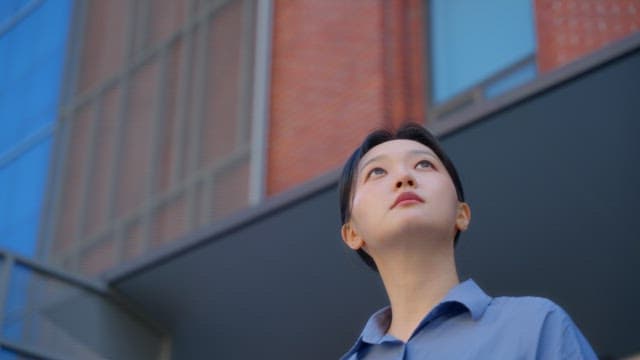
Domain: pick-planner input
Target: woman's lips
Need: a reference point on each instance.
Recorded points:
(407, 196)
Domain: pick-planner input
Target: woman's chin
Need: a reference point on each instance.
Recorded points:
(416, 226)
(410, 226)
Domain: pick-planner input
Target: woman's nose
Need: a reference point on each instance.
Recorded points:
(405, 181)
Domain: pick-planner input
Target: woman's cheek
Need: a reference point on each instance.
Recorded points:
(363, 205)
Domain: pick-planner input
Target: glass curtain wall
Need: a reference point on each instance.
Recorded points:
(31, 66)
(33, 41)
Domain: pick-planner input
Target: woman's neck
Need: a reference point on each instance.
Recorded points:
(416, 280)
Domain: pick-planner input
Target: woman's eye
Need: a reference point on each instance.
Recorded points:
(376, 172)
(423, 164)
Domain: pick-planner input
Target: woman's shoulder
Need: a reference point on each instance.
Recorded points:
(557, 336)
(532, 309)
(534, 303)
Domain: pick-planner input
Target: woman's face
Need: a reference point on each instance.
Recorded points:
(401, 189)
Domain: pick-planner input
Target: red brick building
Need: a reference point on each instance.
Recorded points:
(162, 130)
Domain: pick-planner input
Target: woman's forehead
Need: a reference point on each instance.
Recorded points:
(399, 147)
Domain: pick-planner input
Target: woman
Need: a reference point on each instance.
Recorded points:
(402, 208)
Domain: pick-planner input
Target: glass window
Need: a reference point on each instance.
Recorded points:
(472, 41)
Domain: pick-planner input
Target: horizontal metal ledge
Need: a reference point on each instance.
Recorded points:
(95, 286)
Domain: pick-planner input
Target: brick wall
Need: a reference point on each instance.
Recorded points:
(340, 69)
(569, 29)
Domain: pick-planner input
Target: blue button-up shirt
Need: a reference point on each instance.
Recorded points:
(468, 324)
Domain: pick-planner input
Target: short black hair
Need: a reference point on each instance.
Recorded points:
(408, 131)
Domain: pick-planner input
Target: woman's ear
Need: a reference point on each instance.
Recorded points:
(463, 216)
(350, 236)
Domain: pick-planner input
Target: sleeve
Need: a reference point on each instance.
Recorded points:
(560, 338)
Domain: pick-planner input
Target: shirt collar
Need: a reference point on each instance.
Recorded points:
(471, 296)
(468, 294)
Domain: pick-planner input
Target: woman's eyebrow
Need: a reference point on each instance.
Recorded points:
(375, 158)
(423, 152)
(411, 152)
